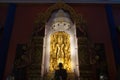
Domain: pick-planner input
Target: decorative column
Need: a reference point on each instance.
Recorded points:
(114, 37)
(113, 34)
(6, 37)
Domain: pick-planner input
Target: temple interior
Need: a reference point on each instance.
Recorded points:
(36, 37)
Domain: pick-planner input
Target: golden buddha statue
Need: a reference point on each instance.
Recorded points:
(60, 51)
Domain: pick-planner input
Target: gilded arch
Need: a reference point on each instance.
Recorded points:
(44, 17)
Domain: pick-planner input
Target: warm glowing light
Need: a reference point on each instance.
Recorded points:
(60, 44)
(60, 50)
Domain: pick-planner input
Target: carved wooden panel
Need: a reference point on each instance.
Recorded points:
(102, 68)
(20, 63)
(34, 70)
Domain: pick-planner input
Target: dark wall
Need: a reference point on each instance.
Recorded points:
(3, 13)
(116, 14)
(94, 14)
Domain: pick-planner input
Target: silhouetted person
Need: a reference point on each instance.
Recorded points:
(60, 74)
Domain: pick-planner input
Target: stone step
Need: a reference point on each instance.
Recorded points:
(50, 76)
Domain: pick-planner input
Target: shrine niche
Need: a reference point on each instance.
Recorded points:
(60, 35)
(60, 51)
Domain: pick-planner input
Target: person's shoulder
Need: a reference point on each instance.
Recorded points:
(64, 70)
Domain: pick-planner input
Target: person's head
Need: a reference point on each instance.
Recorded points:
(60, 65)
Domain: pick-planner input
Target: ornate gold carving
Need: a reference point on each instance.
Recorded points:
(24, 59)
(44, 17)
(63, 6)
(60, 51)
(35, 50)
